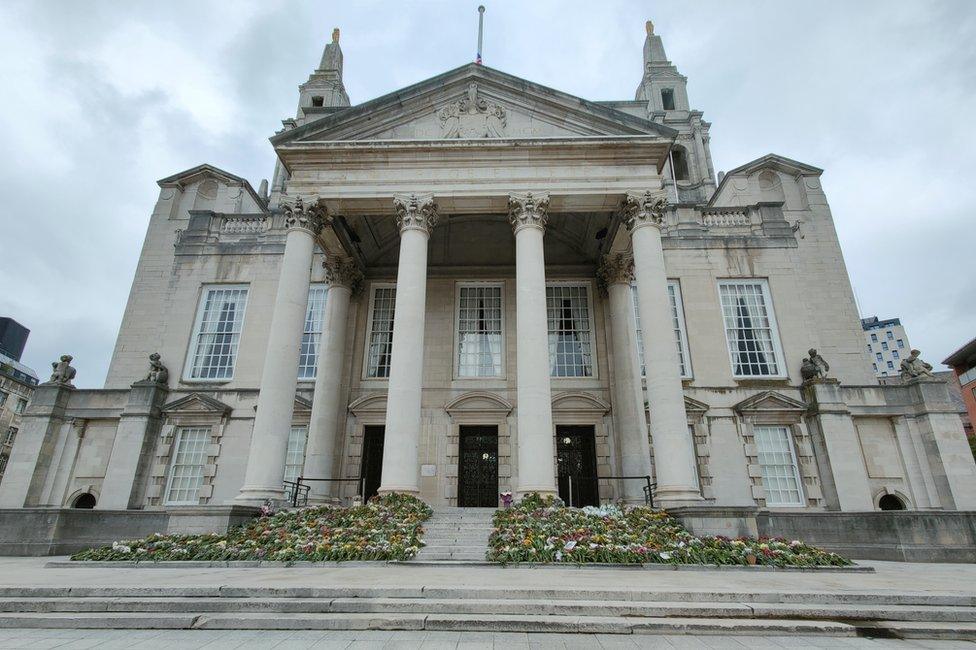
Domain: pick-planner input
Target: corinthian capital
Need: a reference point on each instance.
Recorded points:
(644, 208)
(342, 272)
(311, 218)
(415, 212)
(615, 268)
(528, 210)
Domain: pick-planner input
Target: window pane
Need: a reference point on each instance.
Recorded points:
(779, 472)
(189, 459)
(295, 455)
(570, 340)
(678, 323)
(218, 333)
(312, 336)
(479, 325)
(748, 328)
(381, 332)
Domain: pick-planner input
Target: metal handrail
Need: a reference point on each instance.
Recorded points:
(648, 487)
(301, 485)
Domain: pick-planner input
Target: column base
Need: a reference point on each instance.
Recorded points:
(412, 490)
(257, 495)
(674, 496)
(542, 490)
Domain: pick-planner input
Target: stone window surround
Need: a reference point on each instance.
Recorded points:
(799, 441)
(194, 332)
(767, 293)
(373, 286)
(458, 285)
(177, 437)
(801, 496)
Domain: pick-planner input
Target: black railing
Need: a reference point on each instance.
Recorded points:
(648, 487)
(297, 491)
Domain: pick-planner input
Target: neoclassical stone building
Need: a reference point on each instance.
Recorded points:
(478, 284)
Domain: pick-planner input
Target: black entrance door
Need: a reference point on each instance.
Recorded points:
(576, 457)
(478, 467)
(371, 468)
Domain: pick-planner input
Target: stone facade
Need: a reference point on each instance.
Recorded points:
(440, 294)
(17, 383)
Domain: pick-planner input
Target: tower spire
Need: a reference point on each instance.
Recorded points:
(324, 87)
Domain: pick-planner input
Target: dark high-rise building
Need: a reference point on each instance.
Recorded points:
(13, 337)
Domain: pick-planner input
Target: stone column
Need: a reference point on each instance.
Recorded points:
(674, 449)
(340, 275)
(416, 216)
(279, 379)
(616, 272)
(536, 437)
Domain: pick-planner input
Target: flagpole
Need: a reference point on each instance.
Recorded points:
(481, 24)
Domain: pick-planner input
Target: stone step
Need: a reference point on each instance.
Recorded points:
(890, 613)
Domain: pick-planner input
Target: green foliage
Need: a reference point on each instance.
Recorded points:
(389, 527)
(543, 530)
(972, 444)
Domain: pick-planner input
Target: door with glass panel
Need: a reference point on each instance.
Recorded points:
(576, 460)
(478, 467)
(371, 468)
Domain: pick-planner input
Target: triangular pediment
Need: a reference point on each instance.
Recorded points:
(197, 403)
(302, 404)
(469, 103)
(694, 406)
(769, 402)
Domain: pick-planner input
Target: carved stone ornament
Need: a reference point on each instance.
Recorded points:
(814, 368)
(63, 371)
(312, 217)
(158, 373)
(343, 272)
(615, 268)
(528, 210)
(642, 208)
(472, 117)
(415, 212)
(914, 368)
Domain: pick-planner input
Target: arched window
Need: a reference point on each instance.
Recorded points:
(891, 502)
(679, 158)
(84, 501)
(667, 98)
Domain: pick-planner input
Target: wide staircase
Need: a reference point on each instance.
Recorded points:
(456, 535)
(553, 608)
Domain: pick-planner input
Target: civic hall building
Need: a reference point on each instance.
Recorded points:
(478, 284)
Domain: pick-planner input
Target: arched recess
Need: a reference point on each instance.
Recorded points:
(77, 494)
(369, 406)
(680, 162)
(84, 501)
(578, 403)
(886, 499)
(476, 404)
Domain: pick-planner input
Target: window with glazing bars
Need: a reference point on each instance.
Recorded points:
(570, 338)
(312, 336)
(217, 333)
(750, 328)
(11, 435)
(381, 332)
(777, 460)
(295, 454)
(189, 460)
(3, 463)
(479, 322)
(678, 323)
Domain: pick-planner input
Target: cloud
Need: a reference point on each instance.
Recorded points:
(104, 98)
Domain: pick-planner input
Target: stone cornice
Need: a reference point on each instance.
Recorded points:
(644, 209)
(528, 210)
(415, 212)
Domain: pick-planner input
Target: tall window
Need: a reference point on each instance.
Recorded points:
(312, 336)
(750, 328)
(884, 345)
(890, 335)
(894, 354)
(189, 460)
(381, 332)
(679, 158)
(901, 343)
(20, 406)
(780, 475)
(874, 337)
(570, 340)
(3, 397)
(295, 454)
(3, 463)
(217, 332)
(678, 324)
(479, 323)
(877, 355)
(11, 435)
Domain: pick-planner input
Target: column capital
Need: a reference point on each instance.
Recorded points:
(644, 209)
(311, 218)
(415, 212)
(615, 268)
(342, 272)
(528, 210)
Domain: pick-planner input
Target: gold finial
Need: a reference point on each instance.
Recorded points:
(649, 26)
(335, 35)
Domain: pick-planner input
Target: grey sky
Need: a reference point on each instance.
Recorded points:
(101, 99)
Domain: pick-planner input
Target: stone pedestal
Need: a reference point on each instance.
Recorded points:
(129, 465)
(536, 436)
(416, 216)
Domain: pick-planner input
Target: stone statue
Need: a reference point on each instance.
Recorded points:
(814, 367)
(913, 367)
(63, 372)
(822, 366)
(158, 373)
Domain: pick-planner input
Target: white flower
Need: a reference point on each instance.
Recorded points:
(570, 545)
(559, 555)
(665, 555)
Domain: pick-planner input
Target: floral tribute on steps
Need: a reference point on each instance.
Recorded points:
(544, 530)
(387, 528)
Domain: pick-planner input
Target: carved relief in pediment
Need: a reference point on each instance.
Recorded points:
(472, 117)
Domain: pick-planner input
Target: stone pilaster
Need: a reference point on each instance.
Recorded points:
(416, 216)
(342, 276)
(279, 378)
(616, 274)
(528, 214)
(674, 448)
